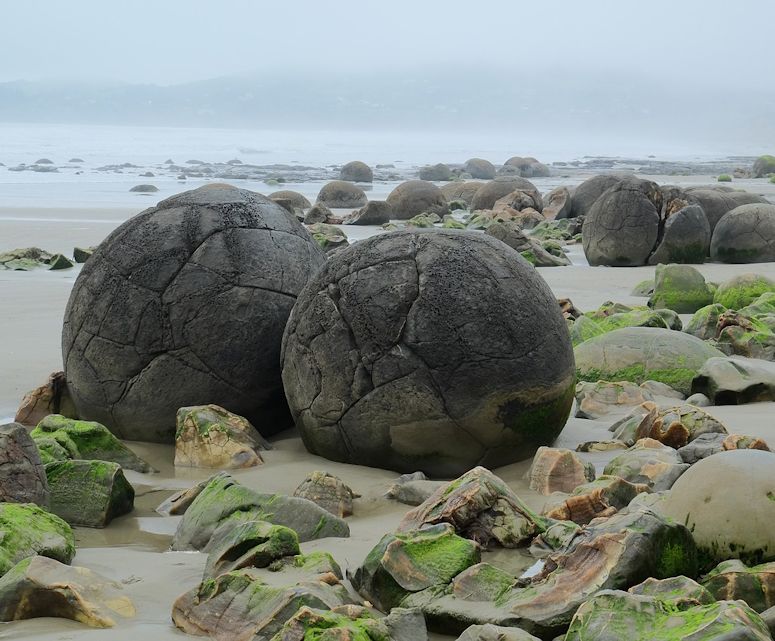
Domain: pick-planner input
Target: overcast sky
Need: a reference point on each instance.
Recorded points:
(175, 41)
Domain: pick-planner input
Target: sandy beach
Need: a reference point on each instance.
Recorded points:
(133, 549)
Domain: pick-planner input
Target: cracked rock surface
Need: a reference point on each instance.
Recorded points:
(431, 350)
(185, 304)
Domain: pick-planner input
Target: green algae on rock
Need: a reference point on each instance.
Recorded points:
(39, 586)
(29, 530)
(733, 580)
(85, 440)
(681, 288)
(89, 493)
(742, 290)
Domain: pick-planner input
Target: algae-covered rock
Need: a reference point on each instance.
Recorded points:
(681, 288)
(43, 587)
(329, 237)
(407, 562)
(327, 491)
(763, 166)
(223, 498)
(28, 530)
(704, 323)
(22, 477)
(638, 354)
(179, 502)
(742, 290)
(726, 500)
(210, 436)
(680, 591)
(558, 470)
(240, 606)
(82, 254)
(87, 440)
(257, 544)
(649, 462)
(480, 506)
(733, 580)
(613, 615)
(58, 261)
(644, 288)
(89, 493)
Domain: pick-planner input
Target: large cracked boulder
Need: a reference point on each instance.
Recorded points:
(745, 235)
(147, 318)
(585, 195)
(434, 350)
(716, 202)
(494, 190)
(415, 197)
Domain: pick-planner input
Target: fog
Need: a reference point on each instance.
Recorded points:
(692, 69)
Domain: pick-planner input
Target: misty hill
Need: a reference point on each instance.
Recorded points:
(560, 102)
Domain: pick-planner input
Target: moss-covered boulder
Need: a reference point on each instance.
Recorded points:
(680, 591)
(408, 562)
(606, 320)
(257, 544)
(353, 623)
(648, 462)
(733, 580)
(742, 290)
(727, 502)
(240, 605)
(638, 354)
(763, 166)
(39, 586)
(681, 288)
(22, 477)
(28, 530)
(86, 440)
(89, 493)
(329, 237)
(224, 499)
(24, 259)
(480, 506)
(210, 436)
(613, 615)
(704, 322)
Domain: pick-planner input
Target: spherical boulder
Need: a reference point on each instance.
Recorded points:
(340, 194)
(438, 172)
(416, 197)
(585, 195)
(726, 500)
(717, 201)
(464, 191)
(685, 237)
(745, 235)
(297, 200)
(479, 168)
(496, 189)
(185, 304)
(357, 172)
(432, 350)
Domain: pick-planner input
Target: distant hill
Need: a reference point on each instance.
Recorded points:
(559, 102)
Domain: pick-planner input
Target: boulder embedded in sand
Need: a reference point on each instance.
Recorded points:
(437, 173)
(622, 228)
(224, 500)
(638, 354)
(446, 344)
(340, 194)
(22, 477)
(491, 191)
(357, 172)
(726, 500)
(742, 290)
(52, 397)
(297, 200)
(42, 587)
(210, 436)
(29, 530)
(681, 288)
(745, 235)
(558, 470)
(415, 197)
(83, 440)
(89, 493)
(144, 327)
(376, 212)
(327, 491)
(479, 168)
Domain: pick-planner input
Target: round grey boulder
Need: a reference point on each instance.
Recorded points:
(339, 194)
(464, 191)
(144, 189)
(622, 227)
(416, 197)
(431, 350)
(745, 235)
(297, 200)
(185, 304)
(357, 172)
(438, 172)
(685, 237)
(501, 186)
(716, 202)
(585, 195)
(479, 168)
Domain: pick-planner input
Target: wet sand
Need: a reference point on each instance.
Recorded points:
(133, 549)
